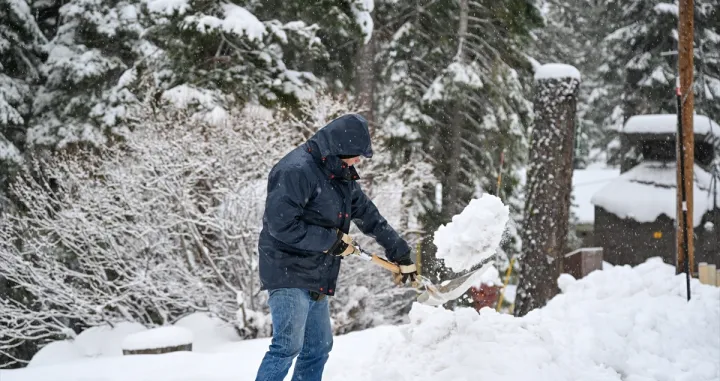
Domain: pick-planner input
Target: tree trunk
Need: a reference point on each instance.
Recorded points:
(452, 204)
(365, 82)
(549, 183)
(450, 150)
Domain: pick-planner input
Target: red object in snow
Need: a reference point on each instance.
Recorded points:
(484, 296)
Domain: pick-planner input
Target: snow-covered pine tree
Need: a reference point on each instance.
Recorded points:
(640, 72)
(646, 30)
(94, 61)
(707, 58)
(458, 93)
(251, 51)
(571, 34)
(21, 55)
(342, 28)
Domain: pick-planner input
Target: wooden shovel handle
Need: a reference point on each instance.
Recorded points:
(385, 263)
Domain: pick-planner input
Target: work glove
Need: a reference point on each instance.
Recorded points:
(343, 246)
(407, 271)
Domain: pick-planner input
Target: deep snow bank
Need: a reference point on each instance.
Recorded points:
(621, 323)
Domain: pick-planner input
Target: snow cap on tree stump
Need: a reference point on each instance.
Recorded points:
(557, 71)
(158, 340)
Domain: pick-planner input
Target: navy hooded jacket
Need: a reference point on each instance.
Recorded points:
(311, 193)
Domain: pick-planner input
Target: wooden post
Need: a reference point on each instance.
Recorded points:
(711, 273)
(549, 184)
(686, 154)
(702, 272)
(583, 261)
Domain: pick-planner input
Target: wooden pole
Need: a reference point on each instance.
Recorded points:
(682, 217)
(686, 154)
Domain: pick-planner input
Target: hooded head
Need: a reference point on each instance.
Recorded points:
(346, 136)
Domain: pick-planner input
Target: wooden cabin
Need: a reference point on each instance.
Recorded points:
(635, 212)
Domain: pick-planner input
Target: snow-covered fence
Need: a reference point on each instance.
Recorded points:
(549, 184)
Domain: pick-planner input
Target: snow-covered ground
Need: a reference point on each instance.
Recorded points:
(620, 323)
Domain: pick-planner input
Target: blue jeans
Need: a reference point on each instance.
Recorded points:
(301, 328)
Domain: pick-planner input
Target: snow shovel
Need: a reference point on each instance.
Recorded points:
(432, 295)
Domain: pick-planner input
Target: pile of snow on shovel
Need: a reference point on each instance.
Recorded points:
(473, 235)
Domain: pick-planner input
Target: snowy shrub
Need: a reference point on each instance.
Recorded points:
(162, 225)
(351, 316)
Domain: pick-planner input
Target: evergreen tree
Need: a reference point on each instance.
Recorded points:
(459, 93)
(343, 27)
(93, 64)
(640, 72)
(21, 55)
(647, 29)
(256, 51)
(707, 58)
(571, 34)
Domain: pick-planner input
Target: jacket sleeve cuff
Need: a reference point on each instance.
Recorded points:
(405, 260)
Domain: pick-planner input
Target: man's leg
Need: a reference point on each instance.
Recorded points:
(289, 311)
(317, 344)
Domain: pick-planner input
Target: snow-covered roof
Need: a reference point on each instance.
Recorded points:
(557, 70)
(667, 124)
(649, 190)
(585, 183)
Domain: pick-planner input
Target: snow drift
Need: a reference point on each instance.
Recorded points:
(621, 323)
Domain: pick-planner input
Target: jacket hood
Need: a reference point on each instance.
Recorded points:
(346, 135)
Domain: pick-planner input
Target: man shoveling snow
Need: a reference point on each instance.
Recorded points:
(312, 197)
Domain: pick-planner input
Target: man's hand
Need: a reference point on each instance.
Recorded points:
(343, 246)
(407, 271)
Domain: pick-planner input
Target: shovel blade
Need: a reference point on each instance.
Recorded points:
(453, 289)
